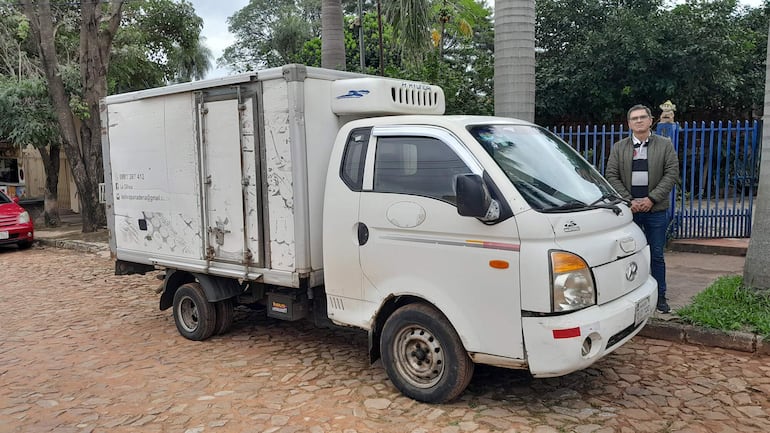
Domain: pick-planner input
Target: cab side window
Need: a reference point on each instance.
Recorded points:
(354, 158)
(422, 166)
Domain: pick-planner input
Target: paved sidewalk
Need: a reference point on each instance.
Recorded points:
(692, 265)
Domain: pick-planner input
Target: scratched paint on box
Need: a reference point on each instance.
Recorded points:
(280, 190)
(177, 235)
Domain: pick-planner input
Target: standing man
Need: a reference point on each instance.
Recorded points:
(644, 168)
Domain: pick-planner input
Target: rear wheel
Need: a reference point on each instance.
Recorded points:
(195, 317)
(224, 310)
(423, 355)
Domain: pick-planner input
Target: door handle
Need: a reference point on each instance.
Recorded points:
(363, 234)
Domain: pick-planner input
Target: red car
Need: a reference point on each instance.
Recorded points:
(16, 226)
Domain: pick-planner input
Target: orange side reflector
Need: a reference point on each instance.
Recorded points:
(566, 333)
(498, 264)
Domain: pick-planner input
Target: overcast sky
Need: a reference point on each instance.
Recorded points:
(215, 14)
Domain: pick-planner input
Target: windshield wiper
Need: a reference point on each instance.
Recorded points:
(576, 205)
(614, 199)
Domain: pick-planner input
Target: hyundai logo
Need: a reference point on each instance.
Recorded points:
(631, 271)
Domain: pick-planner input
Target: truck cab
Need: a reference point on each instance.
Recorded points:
(497, 229)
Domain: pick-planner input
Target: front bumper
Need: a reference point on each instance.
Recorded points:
(559, 345)
(17, 233)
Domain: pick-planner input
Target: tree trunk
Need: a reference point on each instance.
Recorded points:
(515, 59)
(332, 36)
(51, 162)
(83, 149)
(379, 37)
(756, 270)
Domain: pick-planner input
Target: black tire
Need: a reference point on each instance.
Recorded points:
(423, 355)
(23, 245)
(195, 317)
(224, 310)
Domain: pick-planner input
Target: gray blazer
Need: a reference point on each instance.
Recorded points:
(662, 169)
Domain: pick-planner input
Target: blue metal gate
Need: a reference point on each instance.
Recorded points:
(719, 167)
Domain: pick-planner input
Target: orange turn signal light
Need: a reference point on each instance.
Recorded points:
(499, 264)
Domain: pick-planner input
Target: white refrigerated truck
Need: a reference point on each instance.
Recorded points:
(452, 240)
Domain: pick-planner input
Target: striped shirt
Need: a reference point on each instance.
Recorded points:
(639, 174)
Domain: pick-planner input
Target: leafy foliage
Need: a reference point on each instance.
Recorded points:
(26, 114)
(158, 42)
(411, 24)
(267, 31)
(464, 70)
(596, 58)
(16, 50)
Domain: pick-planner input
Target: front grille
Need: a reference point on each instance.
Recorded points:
(6, 221)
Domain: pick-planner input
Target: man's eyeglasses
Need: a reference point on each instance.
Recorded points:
(638, 118)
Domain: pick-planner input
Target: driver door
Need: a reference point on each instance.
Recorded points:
(417, 244)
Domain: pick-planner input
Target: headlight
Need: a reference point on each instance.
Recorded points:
(572, 284)
(24, 217)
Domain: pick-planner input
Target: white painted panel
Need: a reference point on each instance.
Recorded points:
(322, 126)
(280, 190)
(155, 176)
(224, 192)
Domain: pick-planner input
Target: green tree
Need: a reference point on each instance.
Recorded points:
(81, 140)
(16, 59)
(708, 57)
(27, 118)
(464, 69)
(411, 23)
(266, 33)
(159, 43)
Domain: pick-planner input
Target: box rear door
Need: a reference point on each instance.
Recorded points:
(231, 187)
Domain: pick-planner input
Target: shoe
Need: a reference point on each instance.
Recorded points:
(663, 307)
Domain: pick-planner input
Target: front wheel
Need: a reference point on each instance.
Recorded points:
(195, 317)
(423, 355)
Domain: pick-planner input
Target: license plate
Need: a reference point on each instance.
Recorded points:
(643, 310)
(3, 235)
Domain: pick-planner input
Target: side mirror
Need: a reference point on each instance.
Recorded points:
(473, 199)
(15, 199)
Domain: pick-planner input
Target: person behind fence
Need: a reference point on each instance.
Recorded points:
(644, 168)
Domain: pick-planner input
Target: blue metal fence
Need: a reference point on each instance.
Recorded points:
(719, 167)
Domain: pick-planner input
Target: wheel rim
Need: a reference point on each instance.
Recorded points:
(188, 314)
(419, 356)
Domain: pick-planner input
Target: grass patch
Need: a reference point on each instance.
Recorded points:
(727, 305)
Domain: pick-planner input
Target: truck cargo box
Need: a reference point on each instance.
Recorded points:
(225, 176)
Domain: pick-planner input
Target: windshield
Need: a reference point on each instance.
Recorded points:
(548, 173)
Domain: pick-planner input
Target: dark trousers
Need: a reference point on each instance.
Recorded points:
(655, 225)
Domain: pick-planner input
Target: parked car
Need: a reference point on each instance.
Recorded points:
(16, 225)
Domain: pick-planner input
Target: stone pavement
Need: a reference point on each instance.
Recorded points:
(692, 265)
(83, 350)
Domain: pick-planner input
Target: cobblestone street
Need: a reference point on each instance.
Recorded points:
(82, 350)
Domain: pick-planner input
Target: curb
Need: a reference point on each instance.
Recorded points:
(679, 332)
(87, 247)
(694, 247)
